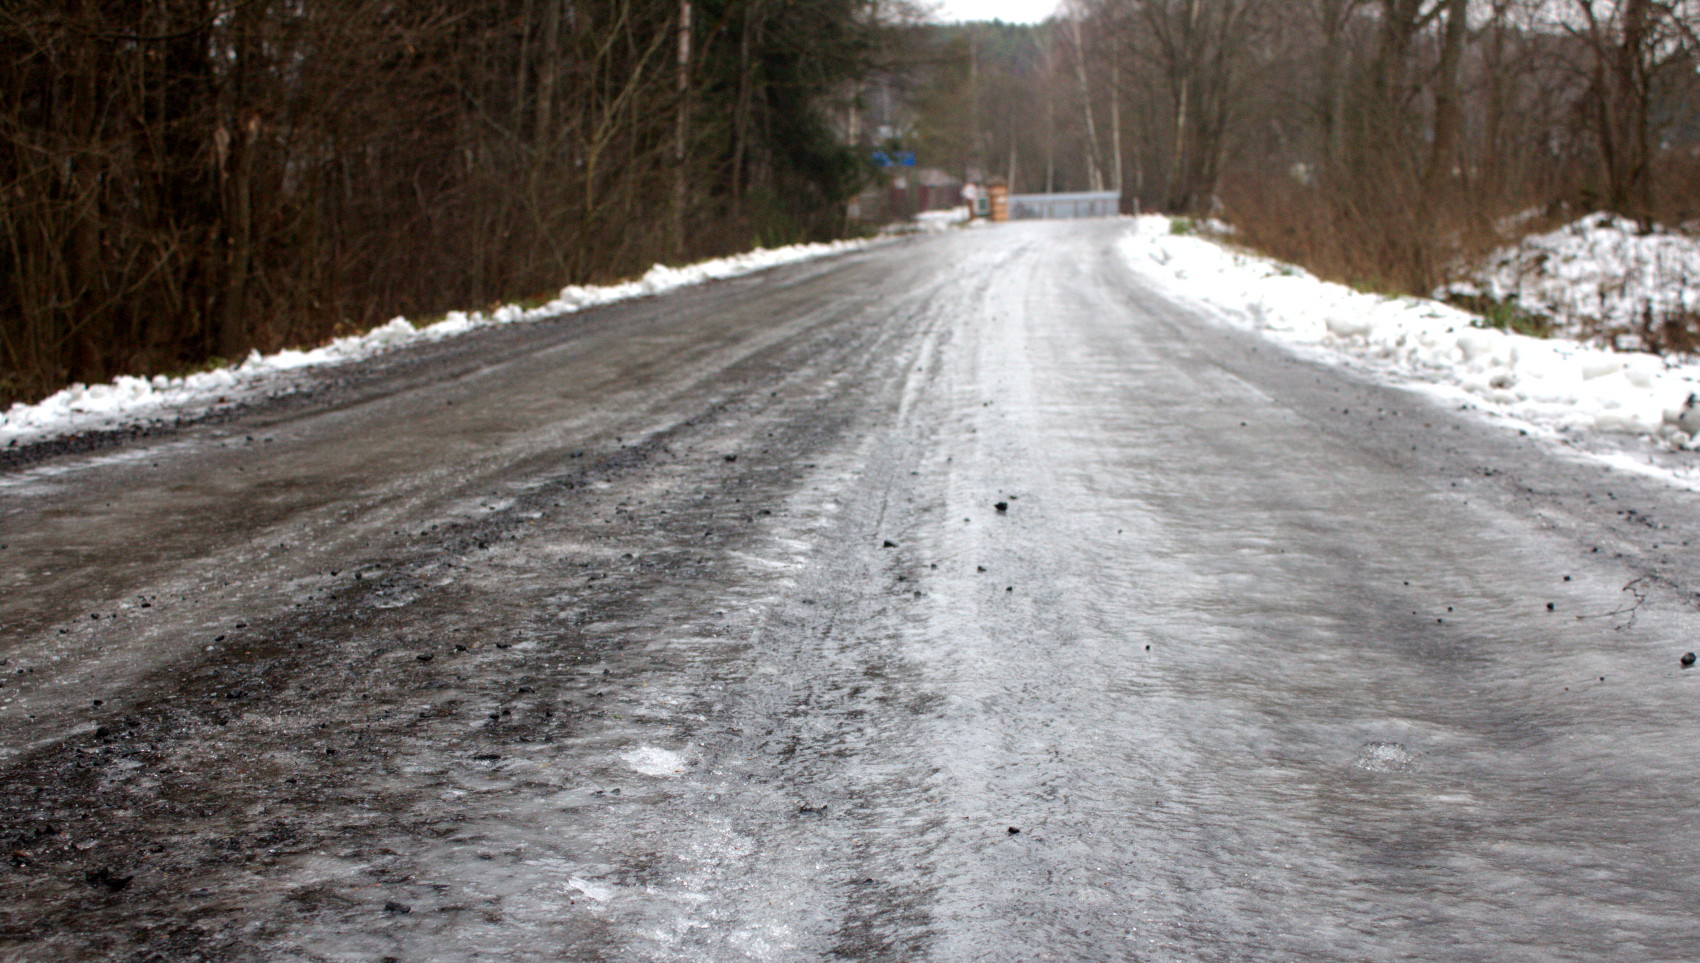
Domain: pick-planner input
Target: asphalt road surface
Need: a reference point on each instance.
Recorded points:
(951, 600)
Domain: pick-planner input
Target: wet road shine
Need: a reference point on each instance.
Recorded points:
(951, 600)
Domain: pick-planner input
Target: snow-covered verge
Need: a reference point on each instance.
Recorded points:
(1600, 277)
(932, 222)
(1551, 387)
(940, 220)
(131, 399)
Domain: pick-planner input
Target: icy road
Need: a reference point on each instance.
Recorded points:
(955, 599)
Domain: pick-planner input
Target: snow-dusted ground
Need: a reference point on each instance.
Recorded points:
(1600, 276)
(1554, 388)
(131, 399)
(940, 220)
(934, 222)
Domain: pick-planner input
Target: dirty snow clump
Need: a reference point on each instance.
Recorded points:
(655, 761)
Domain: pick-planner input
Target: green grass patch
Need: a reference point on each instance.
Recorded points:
(1506, 315)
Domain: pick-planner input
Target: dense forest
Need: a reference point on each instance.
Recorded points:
(1375, 140)
(185, 180)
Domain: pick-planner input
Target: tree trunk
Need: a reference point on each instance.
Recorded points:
(1630, 188)
(1116, 125)
(681, 134)
(1180, 187)
(1446, 111)
(234, 326)
(522, 76)
(1094, 161)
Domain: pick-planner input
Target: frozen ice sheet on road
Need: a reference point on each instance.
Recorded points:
(971, 598)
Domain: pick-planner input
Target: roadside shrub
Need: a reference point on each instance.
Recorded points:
(1372, 235)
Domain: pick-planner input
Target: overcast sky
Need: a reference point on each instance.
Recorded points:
(1010, 11)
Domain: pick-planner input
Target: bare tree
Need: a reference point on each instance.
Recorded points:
(1634, 50)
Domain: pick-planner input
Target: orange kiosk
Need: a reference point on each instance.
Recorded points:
(1000, 200)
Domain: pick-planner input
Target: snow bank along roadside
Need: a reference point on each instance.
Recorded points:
(128, 399)
(1553, 388)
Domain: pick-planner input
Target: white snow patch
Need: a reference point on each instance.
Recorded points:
(1599, 276)
(1554, 388)
(600, 892)
(932, 221)
(1384, 757)
(652, 761)
(128, 399)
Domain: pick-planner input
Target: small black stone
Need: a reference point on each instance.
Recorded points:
(1549, 606)
(425, 658)
(1002, 506)
(1688, 660)
(1014, 832)
(731, 457)
(392, 906)
(107, 878)
(889, 544)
